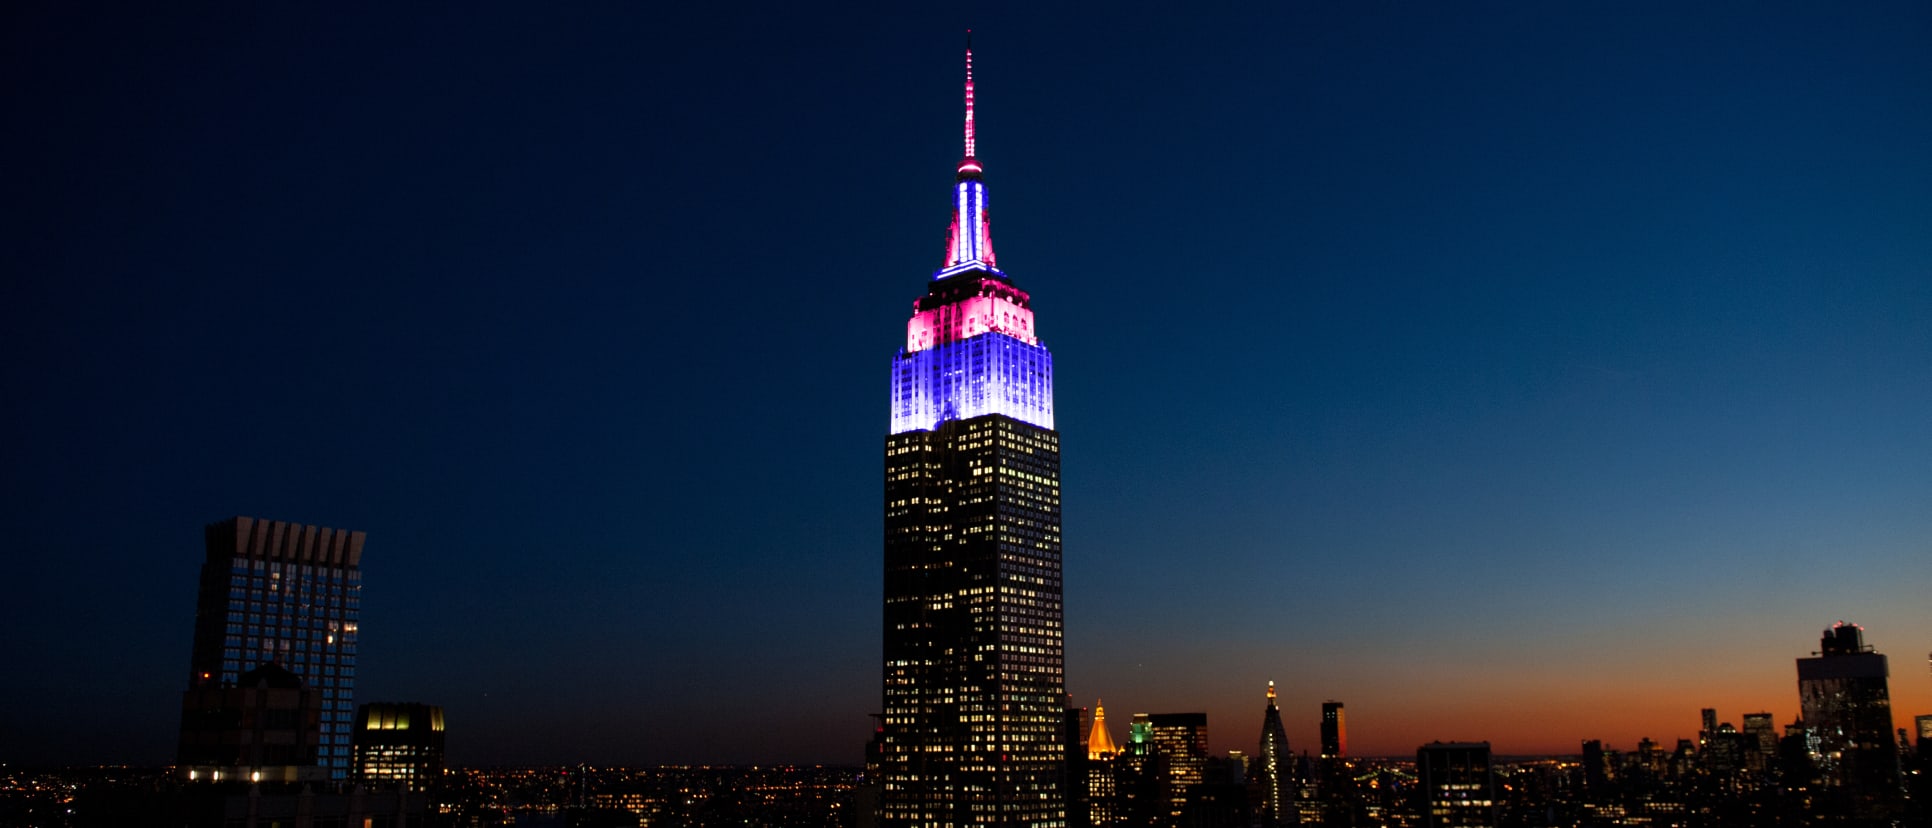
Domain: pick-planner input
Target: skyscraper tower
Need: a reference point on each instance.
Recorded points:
(1334, 731)
(282, 594)
(1181, 739)
(973, 638)
(1847, 709)
(1273, 768)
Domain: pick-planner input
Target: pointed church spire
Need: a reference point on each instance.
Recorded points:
(969, 243)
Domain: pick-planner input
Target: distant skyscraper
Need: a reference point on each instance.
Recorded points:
(399, 743)
(1274, 769)
(1181, 739)
(1455, 784)
(287, 595)
(1102, 787)
(1847, 709)
(1334, 731)
(1596, 771)
(1763, 733)
(1140, 773)
(974, 691)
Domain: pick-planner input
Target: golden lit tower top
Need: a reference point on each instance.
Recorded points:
(1100, 743)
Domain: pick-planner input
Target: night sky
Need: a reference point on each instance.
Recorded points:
(1526, 372)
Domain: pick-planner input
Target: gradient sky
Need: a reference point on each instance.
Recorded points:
(1521, 372)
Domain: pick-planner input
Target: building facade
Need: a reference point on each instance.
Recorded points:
(1101, 786)
(1181, 739)
(1454, 783)
(266, 726)
(288, 595)
(399, 743)
(1846, 703)
(974, 693)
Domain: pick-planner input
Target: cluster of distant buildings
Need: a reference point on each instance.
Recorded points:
(1840, 763)
(270, 736)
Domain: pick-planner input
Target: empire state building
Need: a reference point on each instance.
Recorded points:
(974, 689)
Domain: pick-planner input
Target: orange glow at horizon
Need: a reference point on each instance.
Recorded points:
(1528, 708)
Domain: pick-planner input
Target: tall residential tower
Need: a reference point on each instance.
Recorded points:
(974, 693)
(1847, 707)
(280, 595)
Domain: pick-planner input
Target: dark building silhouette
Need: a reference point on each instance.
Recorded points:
(974, 691)
(288, 595)
(266, 726)
(399, 743)
(1762, 738)
(1220, 799)
(1074, 783)
(1721, 749)
(1454, 784)
(1596, 770)
(1334, 731)
(1918, 777)
(865, 798)
(1139, 780)
(1847, 709)
(1274, 770)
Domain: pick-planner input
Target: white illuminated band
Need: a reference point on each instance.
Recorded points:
(962, 267)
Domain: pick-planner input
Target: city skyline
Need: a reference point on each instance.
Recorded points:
(1569, 363)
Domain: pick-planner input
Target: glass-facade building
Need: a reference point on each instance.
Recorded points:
(973, 730)
(1845, 699)
(288, 595)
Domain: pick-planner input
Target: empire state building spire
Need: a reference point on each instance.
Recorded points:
(969, 104)
(969, 243)
(974, 723)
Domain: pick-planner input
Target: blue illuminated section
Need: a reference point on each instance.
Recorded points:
(987, 374)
